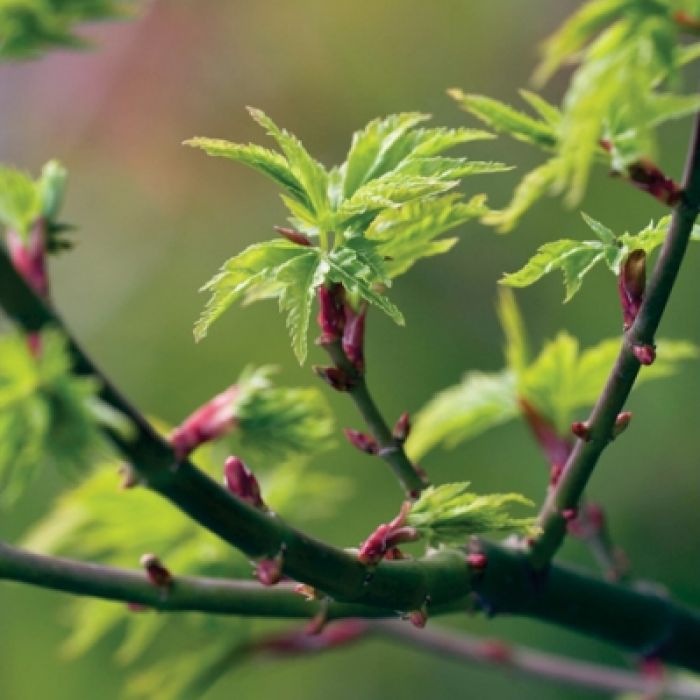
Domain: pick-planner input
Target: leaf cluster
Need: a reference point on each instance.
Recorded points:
(575, 259)
(560, 380)
(449, 514)
(30, 27)
(365, 221)
(47, 414)
(629, 56)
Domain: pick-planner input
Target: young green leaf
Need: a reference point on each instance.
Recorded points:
(576, 258)
(20, 201)
(449, 514)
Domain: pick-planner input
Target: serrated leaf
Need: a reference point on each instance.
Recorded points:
(479, 402)
(573, 258)
(354, 271)
(516, 350)
(372, 152)
(504, 118)
(535, 185)
(450, 514)
(549, 112)
(268, 162)
(299, 278)
(256, 268)
(442, 168)
(407, 233)
(310, 173)
(20, 201)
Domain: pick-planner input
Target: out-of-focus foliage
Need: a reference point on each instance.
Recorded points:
(450, 513)
(575, 259)
(280, 422)
(23, 200)
(367, 221)
(48, 416)
(98, 522)
(559, 381)
(30, 27)
(625, 85)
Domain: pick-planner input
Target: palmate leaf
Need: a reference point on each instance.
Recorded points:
(407, 234)
(574, 259)
(280, 421)
(450, 514)
(385, 201)
(559, 381)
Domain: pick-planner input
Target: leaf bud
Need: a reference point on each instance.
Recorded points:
(335, 378)
(157, 574)
(631, 284)
(354, 335)
(293, 236)
(363, 442)
(241, 482)
(331, 318)
(645, 354)
(402, 428)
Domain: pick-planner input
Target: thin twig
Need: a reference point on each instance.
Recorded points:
(585, 455)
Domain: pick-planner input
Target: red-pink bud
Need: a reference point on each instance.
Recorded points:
(555, 447)
(269, 571)
(477, 561)
(646, 176)
(402, 428)
(645, 354)
(631, 284)
(157, 574)
(621, 423)
(363, 442)
(569, 514)
(581, 430)
(209, 422)
(354, 335)
(330, 317)
(418, 618)
(386, 537)
(29, 257)
(335, 378)
(241, 482)
(291, 235)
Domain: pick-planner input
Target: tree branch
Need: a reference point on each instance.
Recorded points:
(585, 454)
(641, 621)
(526, 662)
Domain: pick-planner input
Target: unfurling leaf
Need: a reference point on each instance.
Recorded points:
(450, 514)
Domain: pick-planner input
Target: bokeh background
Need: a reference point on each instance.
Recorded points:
(156, 220)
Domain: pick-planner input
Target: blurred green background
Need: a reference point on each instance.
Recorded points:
(156, 220)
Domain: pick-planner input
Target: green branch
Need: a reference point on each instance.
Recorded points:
(584, 457)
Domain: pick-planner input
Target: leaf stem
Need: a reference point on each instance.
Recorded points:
(390, 449)
(585, 455)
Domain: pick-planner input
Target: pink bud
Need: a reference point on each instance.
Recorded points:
(622, 423)
(631, 284)
(29, 257)
(402, 428)
(477, 561)
(354, 335)
(294, 236)
(334, 377)
(157, 574)
(645, 354)
(418, 618)
(330, 313)
(209, 422)
(241, 482)
(581, 430)
(364, 443)
(269, 571)
(569, 514)
(646, 176)
(386, 537)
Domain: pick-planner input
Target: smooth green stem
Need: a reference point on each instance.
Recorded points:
(585, 455)
(642, 621)
(390, 449)
(534, 664)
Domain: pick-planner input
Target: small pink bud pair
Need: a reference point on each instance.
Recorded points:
(210, 421)
(386, 537)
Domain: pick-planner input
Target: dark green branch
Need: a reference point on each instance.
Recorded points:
(584, 457)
